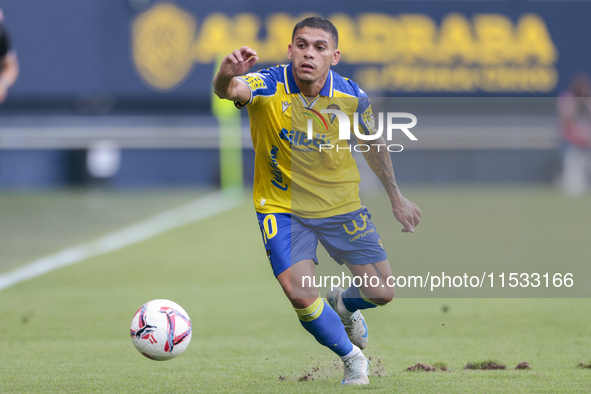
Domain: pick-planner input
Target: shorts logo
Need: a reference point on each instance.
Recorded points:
(355, 228)
(381, 244)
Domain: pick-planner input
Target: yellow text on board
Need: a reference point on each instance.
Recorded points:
(403, 52)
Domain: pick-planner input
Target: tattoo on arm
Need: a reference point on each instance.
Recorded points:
(377, 270)
(380, 162)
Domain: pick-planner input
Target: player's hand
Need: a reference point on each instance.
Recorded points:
(238, 62)
(407, 213)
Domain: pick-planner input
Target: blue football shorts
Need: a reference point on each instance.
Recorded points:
(350, 237)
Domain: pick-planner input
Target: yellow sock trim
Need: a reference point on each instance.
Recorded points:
(312, 312)
(365, 298)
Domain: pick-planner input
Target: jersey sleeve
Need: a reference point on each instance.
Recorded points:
(366, 119)
(262, 84)
(4, 41)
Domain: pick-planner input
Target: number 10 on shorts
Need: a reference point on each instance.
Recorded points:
(270, 227)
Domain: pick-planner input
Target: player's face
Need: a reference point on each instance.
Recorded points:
(312, 52)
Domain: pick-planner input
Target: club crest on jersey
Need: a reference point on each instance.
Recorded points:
(332, 117)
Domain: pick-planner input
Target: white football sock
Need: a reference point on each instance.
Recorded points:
(353, 352)
(342, 309)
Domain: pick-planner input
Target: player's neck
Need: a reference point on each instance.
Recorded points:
(311, 89)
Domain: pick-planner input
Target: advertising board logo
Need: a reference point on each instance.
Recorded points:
(409, 52)
(162, 38)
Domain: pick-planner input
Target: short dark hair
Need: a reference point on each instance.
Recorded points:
(317, 22)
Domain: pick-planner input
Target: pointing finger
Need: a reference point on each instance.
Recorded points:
(252, 61)
(247, 52)
(238, 55)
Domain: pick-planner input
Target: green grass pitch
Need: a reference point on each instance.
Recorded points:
(68, 331)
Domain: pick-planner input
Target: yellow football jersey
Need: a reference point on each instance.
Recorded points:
(294, 174)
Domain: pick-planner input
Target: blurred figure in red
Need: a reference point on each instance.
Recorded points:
(574, 110)
(8, 62)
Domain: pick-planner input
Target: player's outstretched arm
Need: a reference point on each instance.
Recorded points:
(237, 63)
(407, 212)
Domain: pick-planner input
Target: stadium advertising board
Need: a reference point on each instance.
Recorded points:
(411, 52)
(166, 51)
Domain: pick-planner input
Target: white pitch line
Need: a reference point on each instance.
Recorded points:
(200, 209)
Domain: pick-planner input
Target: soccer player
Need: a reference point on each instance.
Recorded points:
(8, 62)
(304, 194)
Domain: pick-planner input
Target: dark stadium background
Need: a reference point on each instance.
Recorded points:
(81, 83)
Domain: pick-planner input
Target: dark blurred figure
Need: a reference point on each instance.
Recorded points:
(574, 110)
(8, 61)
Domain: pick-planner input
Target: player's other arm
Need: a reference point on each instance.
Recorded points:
(405, 211)
(9, 70)
(8, 62)
(225, 83)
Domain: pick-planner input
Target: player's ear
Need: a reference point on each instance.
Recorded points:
(336, 57)
(289, 51)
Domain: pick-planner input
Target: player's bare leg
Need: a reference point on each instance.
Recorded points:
(300, 293)
(374, 292)
(322, 321)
